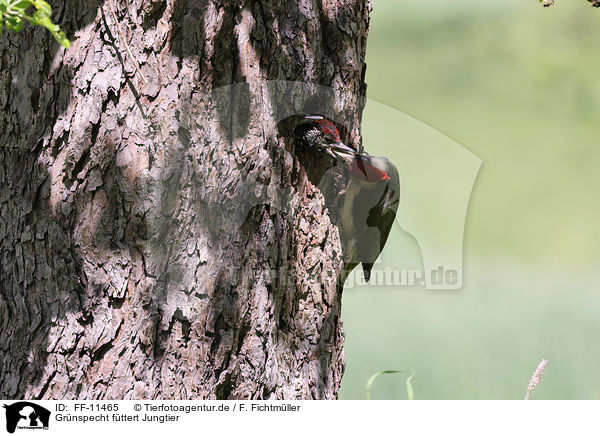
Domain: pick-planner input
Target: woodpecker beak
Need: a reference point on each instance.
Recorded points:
(341, 148)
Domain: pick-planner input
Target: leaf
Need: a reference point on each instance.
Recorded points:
(43, 20)
(21, 6)
(43, 8)
(62, 39)
(13, 15)
(14, 23)
(409, 388)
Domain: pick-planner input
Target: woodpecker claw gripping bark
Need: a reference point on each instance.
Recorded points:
(372, 195)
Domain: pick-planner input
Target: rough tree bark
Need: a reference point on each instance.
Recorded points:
(125, 269)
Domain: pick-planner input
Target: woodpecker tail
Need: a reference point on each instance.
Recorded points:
(367, 267)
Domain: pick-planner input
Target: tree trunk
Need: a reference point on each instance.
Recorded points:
(159, 239)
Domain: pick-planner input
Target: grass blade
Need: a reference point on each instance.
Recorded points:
(409, 388)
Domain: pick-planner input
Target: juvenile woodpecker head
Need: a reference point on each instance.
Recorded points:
(318, 134)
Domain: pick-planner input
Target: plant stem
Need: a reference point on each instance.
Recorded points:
(133, 59)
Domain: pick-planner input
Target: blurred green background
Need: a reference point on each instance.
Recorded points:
(519, 86)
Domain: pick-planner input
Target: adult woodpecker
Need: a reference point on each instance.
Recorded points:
(369, 209)
(369, 204)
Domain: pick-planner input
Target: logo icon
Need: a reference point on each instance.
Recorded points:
(26, 415)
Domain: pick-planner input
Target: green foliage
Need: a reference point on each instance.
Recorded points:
(526, 102)
(409, 389)
(13, 12)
